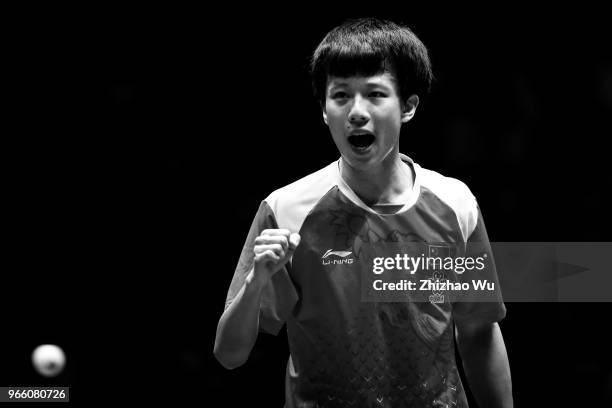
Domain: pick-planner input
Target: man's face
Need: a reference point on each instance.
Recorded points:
(364, 115)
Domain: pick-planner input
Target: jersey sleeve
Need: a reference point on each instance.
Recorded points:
(279, 296)
(481, 307)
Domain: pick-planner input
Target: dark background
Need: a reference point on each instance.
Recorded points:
(144, 140)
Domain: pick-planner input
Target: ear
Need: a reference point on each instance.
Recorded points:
(410, 108)
(324, 113)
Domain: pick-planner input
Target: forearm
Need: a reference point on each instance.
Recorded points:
(238, 326)
(485, 362)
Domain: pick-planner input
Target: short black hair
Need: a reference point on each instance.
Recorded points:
(370, 46)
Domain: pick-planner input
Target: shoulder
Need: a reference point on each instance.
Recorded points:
(291, 203)
(450, 190)
(455, 194)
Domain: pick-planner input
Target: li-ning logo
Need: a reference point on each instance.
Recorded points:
(338, 254)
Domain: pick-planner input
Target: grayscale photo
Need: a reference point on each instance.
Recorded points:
(307, 207)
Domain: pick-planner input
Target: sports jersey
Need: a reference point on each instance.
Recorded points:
(346, 352)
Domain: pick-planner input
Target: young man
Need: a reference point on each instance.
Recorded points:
(302, 263)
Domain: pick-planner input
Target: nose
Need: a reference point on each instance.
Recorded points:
(358, 115)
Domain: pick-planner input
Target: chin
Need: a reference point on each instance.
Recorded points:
(361, 162)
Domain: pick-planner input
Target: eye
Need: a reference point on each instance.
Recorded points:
(377, 94)
(339, 95)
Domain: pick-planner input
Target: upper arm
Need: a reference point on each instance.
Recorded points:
(471, 332)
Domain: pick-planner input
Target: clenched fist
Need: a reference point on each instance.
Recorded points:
(273, 249)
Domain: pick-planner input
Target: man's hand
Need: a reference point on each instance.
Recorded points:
(273, 249)
(239, 324)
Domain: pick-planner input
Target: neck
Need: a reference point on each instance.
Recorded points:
(386, 183)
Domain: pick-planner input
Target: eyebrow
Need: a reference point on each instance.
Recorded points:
(337, 84)
(341, 84)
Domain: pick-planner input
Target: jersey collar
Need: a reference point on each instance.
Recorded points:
(409, 200)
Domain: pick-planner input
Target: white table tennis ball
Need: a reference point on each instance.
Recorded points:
(48, 360)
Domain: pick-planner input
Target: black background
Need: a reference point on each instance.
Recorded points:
(142, 141)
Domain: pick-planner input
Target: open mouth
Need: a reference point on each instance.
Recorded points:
(361, 141)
